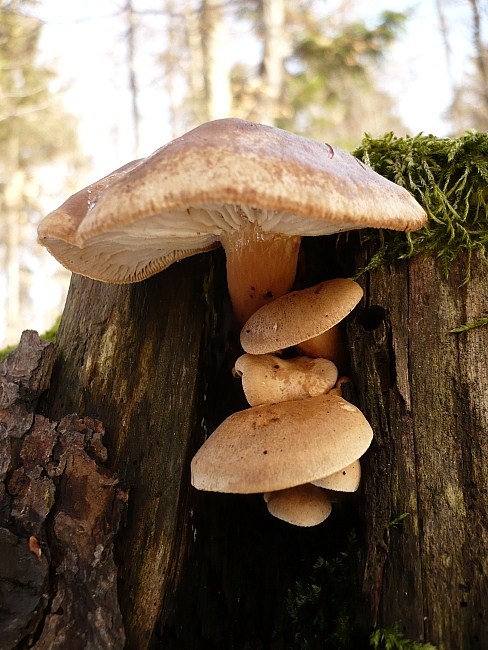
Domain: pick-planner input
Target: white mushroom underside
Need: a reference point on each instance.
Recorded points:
(147, 246)
(207, 222)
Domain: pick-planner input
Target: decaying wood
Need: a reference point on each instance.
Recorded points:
(196, 570)
(201, 570)
(425, 392)
(131, 356)
(59, 511)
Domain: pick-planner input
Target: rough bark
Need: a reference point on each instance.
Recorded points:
(131, 355)
(425, 392)
(59, 511)
(153, 362)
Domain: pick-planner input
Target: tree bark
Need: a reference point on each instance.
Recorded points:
(153, 362)
(131, 355)
(59, 511)
(425, 392)
(196, 570)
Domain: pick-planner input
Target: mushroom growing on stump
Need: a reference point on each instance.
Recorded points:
(304, 505)
(345, 480)
(255, 189)
(267, 379)
(299, 316)
(277, 446)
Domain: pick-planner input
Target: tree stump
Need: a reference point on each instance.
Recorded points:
(425, 393)
(153, 361)
(132, 355)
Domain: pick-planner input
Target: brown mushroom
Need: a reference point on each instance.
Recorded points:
(276, 446)
(253, 188)
(303, 505)
(267, 378)
(328, 345)
(299, 316)
(345, 480)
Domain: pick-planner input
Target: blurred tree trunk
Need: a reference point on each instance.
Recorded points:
(130, 17)
(216, 60)
(13, 204)
(480, 52)
(276, 47)
(425, 391)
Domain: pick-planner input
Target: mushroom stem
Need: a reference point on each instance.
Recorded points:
(260, 267)
(328, 345)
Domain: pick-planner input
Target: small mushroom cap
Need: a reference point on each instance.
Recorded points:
(304, 505)
(276, 446)
(299, 316)
(267, 379)
(180, 199)
(345, 480)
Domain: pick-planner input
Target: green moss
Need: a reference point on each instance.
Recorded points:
(479, 322)
(52, 332)
(392, 639)
(6, 351)
(322, 606)
(449, 178)
(397, 521)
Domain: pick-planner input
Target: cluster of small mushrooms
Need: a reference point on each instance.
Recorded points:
(300, 441)
(255, 190)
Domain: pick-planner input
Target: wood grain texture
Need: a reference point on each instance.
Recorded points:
(425, 392)
(130, 355)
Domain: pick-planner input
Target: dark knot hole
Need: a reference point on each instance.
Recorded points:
(371, 317)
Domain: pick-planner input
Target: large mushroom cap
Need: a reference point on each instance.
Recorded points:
(276, 446)
(206, 184)
(299, 315)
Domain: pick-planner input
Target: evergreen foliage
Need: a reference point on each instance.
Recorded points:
(33, 125)
(331, 87)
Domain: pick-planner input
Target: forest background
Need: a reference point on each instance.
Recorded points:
(86, 87)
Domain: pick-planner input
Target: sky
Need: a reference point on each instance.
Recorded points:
(84, 42)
